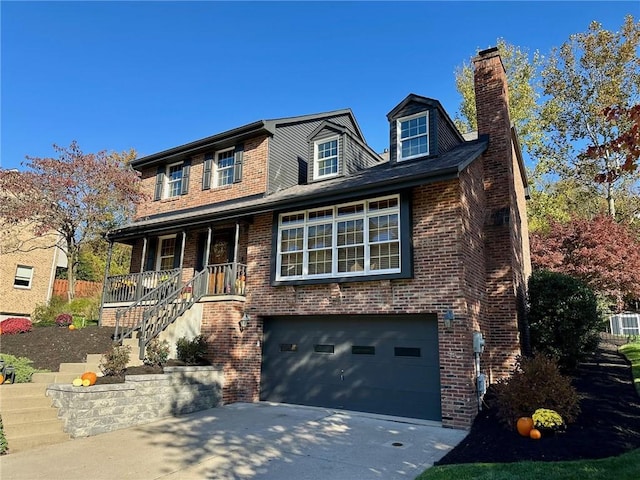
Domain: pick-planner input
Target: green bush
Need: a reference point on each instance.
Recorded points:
(157, 352)
(535, 383)
(191, 351)
(115, 360)
(23, 367)
(3, 441)
(83, 311)
(564, 318)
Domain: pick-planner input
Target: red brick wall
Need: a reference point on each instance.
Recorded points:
(437, 286)
(503, 271)
(254, 181)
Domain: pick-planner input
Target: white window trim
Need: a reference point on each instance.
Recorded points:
(167, 182)
(399, 140)
(334, 220)
(159, 252)
(15, 277)
(316, 160)
(216, 172)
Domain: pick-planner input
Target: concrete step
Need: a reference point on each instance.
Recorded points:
(24, 415)
(94, 358)
(53, 377)
(16, 403)
(22, 390)
(27, 441)
(78, 367)
(35, 427)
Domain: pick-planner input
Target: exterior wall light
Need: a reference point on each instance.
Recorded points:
(448, 318)
(244, 322)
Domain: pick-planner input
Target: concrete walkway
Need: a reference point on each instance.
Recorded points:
(245, 441)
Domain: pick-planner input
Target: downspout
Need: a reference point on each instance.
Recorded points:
(104, 281)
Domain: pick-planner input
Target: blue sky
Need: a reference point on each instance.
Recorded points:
(154, 75)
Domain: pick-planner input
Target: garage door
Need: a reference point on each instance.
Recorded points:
(379, 364)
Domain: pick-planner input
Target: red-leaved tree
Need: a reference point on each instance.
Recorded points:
(602, 253)
(76, 196)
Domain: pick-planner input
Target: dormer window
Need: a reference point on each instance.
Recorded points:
(413, 138)
(325, 162)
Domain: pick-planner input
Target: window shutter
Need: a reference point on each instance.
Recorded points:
(177, 251)
(186, 170)
(237, 163)
(151, 255)
(206, 176)
(159, 182)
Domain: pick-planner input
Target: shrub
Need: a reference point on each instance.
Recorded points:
(115, 360)
(535, 383)
(22, 366)
(44, 315)
(64, 320)
(191, 351)
(564, 318)
(3, 441)
(157, 352)
(15, 325)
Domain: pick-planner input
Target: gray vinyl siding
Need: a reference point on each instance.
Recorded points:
(289, 152)
(447, 138)
(356, 158)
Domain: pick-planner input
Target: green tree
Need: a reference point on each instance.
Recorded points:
(589, 74)
(522, 73)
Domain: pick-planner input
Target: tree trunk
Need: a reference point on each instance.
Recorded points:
(611, 206)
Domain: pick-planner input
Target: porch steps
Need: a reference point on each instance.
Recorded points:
(28, 419)
(134, 343)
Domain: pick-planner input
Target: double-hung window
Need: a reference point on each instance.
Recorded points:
(24, 276)
(173, 179)
(166, 252)
(325, 161)
(413, 137)
(224, 167)
(354, 239)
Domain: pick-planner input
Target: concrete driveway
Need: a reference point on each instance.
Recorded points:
(245, 441)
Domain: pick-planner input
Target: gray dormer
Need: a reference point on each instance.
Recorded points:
(335, 151)
(419, 128)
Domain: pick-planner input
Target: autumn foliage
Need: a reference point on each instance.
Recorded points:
(601, 252)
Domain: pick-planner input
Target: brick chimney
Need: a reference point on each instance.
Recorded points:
(506, 231)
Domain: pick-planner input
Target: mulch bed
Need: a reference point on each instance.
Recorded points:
(608, 425)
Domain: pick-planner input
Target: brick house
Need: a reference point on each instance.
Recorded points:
(27, 271)
(321, 273)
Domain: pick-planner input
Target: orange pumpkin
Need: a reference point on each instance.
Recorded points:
(91, 376)
(535, 434)
(524, 426)
(72, 327)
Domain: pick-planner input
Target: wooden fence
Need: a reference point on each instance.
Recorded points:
(84, 289)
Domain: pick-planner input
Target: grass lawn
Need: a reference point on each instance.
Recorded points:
(624, 467)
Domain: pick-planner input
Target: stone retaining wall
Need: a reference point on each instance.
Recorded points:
(140, 399)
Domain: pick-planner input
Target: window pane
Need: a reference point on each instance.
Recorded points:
(292, 240)
(351, 259)
(385, 256)
(225, 168)
(327, 158)
(383, 204)
(291, 264)
(174, 176)
(167, 253)
(320, 262)
(351, 232)
(23, 276)
(383, 228)
(320, 236)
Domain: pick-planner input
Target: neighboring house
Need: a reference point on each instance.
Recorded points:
(27, 274)
(360, 279)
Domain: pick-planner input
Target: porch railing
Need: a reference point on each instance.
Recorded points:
(133, 286)
(153, 312)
